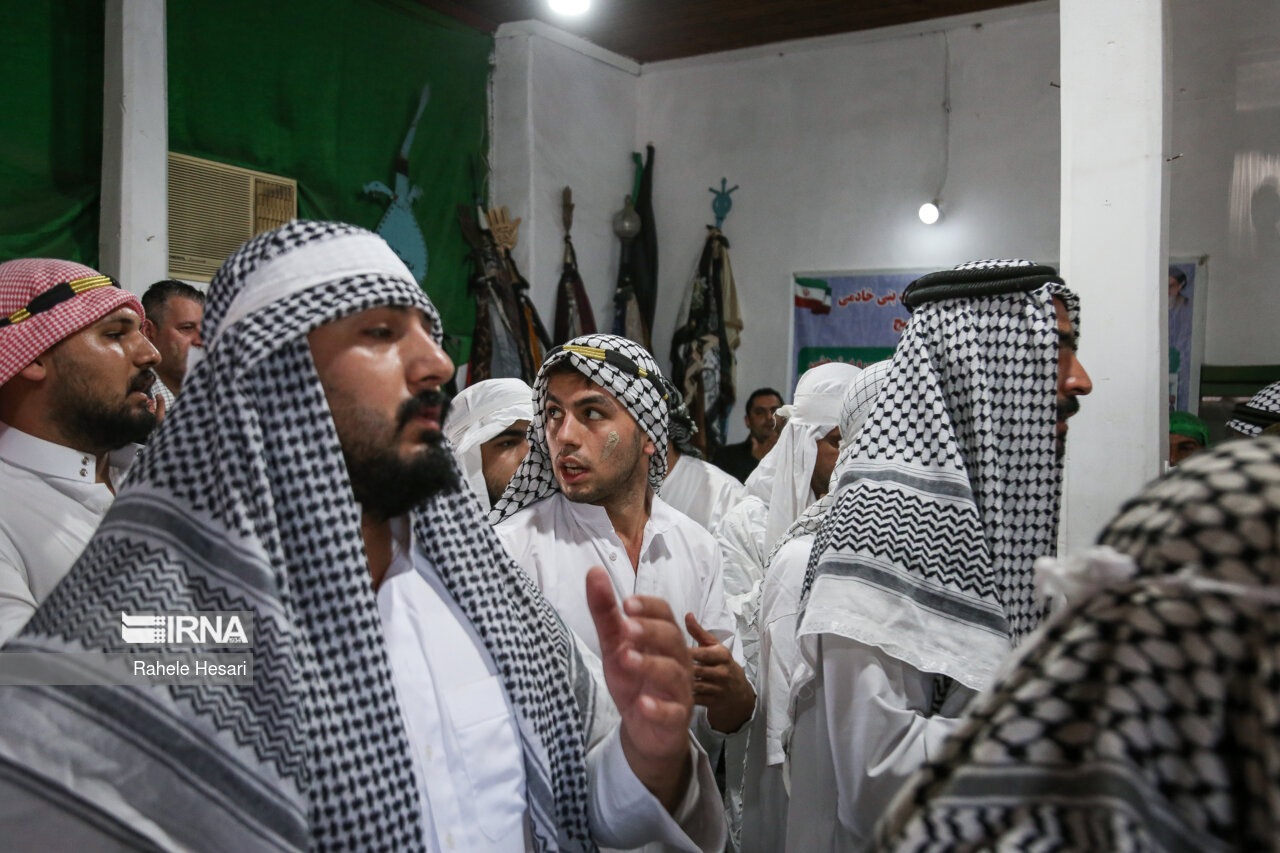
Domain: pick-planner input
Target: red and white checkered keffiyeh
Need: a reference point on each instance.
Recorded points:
(23, 280)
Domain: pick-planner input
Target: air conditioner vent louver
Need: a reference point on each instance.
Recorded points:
(214, 208)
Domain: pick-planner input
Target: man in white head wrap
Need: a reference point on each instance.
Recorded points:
(790, 477)
(765, 801)
(486, 425)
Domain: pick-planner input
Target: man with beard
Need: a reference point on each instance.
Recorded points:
(411, 691)
(919, 581)
(174, 311)
(75, 379)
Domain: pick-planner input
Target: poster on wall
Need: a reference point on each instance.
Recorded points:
(854, 317)
(1186, 280)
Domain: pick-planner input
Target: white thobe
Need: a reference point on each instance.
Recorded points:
(764, 809)
(860, 731)
(701, 490)
(743, 550)
(465, 746)
(557, 541)
(52, 505)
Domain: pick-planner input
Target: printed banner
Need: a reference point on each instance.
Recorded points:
(1182, 298)
(852, 317)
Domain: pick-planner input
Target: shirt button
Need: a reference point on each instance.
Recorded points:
(428, 752)
(613, 555)
(448, 840)
(84, 472)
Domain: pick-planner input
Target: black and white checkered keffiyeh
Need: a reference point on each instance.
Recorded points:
(858, 403)
(1262, 411)
(642, 396)
(242, 502)
(954, 485)
(680, 426)
(1147, 716)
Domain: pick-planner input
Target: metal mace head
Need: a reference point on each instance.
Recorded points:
(626, 222)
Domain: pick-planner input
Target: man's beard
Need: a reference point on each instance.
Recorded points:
(94, 425)
(1067, 407)
(387, 485)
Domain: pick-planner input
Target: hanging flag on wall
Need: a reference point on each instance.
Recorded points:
(636, 294)
(703, 363)
(509, 339)
(573, 309)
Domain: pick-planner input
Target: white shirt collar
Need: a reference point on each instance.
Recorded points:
(596, 517)
(56, 460)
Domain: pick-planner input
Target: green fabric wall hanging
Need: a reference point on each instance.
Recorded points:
(323, 91)
(51, 129)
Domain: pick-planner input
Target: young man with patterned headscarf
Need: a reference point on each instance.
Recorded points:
(693, 486)
(75, 400)
(1144, 715)
(919, 582)
(587, 495)
(441, 706)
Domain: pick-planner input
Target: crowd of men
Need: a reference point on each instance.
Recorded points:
(533, 618)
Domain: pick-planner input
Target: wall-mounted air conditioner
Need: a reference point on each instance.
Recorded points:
(214, 208)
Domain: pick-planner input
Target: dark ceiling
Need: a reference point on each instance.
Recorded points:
(652, 30)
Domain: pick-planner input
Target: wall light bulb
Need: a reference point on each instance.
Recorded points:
(929, 212)
(569, 7)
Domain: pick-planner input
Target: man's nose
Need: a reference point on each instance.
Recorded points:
(1078, 383)
(144, 352)
(427, 364)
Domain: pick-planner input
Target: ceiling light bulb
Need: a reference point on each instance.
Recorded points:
(929, 212)
(569, 7)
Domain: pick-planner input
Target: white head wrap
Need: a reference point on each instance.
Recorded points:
(782, 478)
(481, 412)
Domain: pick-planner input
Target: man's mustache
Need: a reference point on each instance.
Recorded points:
(143, 381)
(412, 407)
(1068, 407)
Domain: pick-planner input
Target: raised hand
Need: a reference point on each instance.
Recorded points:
(648, 671)
(719, 683)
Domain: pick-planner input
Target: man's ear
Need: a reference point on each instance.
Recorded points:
(37, 370)
(148, 329)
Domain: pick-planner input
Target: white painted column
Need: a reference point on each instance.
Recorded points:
(1114, 222)
(133, 239)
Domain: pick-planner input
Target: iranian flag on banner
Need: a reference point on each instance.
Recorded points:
(814, 294)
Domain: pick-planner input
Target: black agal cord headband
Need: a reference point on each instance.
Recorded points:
(617, 359)
(56, 295)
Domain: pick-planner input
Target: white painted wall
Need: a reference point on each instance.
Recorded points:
(133, 235)
(1114, 218)
(836, 142)
(1225, 82)
(564, 115)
